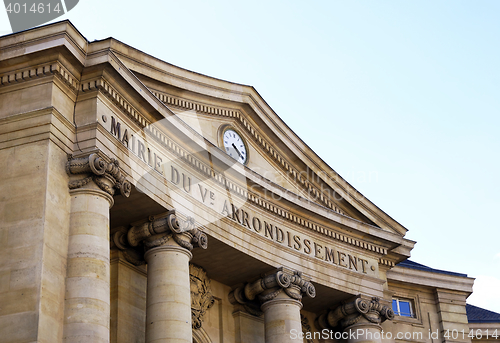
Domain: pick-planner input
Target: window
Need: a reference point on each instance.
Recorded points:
(403, 308)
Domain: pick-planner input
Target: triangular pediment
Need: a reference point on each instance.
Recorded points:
(269, 155)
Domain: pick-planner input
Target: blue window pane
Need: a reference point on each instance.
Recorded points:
(404, 307)
(395, 306)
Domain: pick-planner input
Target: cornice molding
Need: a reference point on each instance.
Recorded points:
(48, 69)
(386, 262)
(102, 85)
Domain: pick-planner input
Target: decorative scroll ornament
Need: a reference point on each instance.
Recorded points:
(106, 175)
(250, 295)
(156, 232)
(201, 294)
(352, 312)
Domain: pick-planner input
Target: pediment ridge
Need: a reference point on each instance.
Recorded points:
(272, 153)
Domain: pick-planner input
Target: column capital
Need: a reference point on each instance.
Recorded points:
(100, 169)
(158, 231)
(369, 310)
(292, 284)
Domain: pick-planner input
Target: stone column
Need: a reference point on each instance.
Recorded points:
(168, 309)
(87, 298)
(168, 241)
(279, 293)
(359, 319)
(281, 316)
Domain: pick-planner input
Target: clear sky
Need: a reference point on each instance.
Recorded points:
(401, 98)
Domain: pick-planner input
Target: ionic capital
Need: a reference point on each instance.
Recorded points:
(156, 232)
(282, 280)
(359, 309)
(104, 172)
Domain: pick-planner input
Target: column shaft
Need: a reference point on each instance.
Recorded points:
(168, 304)
(281, 316)
(87, 300)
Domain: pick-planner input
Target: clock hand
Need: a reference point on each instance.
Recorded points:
(235, 148)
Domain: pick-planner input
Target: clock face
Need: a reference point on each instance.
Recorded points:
(234, 146)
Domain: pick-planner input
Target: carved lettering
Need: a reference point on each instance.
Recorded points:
(140, 150)
(268, 229)
(244, 219)
(203, 192)
(342, 261)
(235, 214)
(317, 250)
(125, 138)
(307, 246)
(174, 175)
(280, 237)
(257, 227)
(115, 128)
(186, 185)
(297, 244)
(158, 162)
(225, 209)
(330, 255)
(363, 265)
(293, 241)
(353, 262)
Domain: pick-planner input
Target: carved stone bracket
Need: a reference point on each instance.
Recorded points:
(250, 295)
(201, 294)
(156, 232)
(106, 175)
(352, 312)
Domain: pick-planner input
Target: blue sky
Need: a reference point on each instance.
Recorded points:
(399, 97)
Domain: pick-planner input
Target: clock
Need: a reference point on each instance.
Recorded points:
(235, 146)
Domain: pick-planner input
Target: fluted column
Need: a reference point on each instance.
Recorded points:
(87, 298)
(279, 294)
(168, 241)
(360, 319)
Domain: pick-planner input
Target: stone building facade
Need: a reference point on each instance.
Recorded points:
(142, 202)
